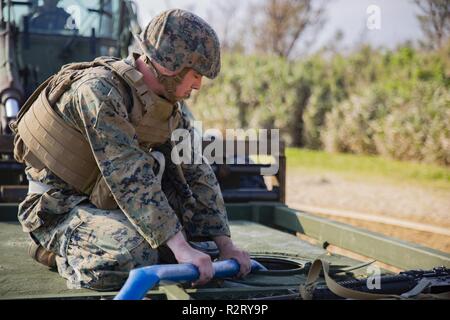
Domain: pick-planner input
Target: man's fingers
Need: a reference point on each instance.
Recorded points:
(206, 271)
(245, 270)
(245, 264)
(204, 279)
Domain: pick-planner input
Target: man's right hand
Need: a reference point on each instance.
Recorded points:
(184, 253)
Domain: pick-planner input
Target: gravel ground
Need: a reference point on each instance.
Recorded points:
(402, 201)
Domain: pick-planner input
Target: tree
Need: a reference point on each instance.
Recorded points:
(228, 25)
(434, 20)
(283, 22)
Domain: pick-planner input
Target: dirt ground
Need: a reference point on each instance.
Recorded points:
(402, 201)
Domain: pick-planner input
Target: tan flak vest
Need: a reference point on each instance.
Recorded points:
(44, 139)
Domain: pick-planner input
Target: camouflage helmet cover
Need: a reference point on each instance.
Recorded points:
(178, 39)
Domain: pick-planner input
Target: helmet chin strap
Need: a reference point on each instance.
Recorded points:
(170, 83)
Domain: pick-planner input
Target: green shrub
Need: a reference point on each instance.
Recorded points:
(417, 130)
(394, 103)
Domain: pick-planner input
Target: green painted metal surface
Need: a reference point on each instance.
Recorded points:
(395, 252)
(20, 276)
(264, 229)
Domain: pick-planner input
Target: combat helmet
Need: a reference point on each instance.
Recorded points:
(178, 40)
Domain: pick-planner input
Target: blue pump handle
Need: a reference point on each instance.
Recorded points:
(141, 280)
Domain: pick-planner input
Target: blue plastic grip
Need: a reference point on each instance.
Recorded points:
(141, 280)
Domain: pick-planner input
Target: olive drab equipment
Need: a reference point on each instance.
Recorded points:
(44, 139)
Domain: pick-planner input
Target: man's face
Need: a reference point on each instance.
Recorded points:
(191, 81)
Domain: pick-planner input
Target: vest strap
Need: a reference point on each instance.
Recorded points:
(44, 139)
(37, 187)
(48, 137)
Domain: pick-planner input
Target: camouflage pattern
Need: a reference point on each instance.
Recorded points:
(49, 18)
(97, 247)
(177, 39)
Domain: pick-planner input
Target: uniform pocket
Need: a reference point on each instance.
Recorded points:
(103, 236)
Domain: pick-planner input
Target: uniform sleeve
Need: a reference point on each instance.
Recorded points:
(208, 217)
(127, 169)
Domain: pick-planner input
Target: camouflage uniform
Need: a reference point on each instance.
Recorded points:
(96, 248)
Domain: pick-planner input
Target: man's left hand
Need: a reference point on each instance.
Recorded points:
(229, 251)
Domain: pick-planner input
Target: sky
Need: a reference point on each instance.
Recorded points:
(397, 19)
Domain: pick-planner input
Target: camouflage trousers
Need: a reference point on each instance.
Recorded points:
(97, 248)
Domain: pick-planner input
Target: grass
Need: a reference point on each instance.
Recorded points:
(358, 166)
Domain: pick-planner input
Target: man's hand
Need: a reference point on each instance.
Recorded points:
(184, 253)
(229, 251)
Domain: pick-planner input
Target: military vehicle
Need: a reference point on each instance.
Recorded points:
(37, 37)
(284, 243)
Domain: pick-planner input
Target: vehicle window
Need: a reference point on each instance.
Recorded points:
(66, 17)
